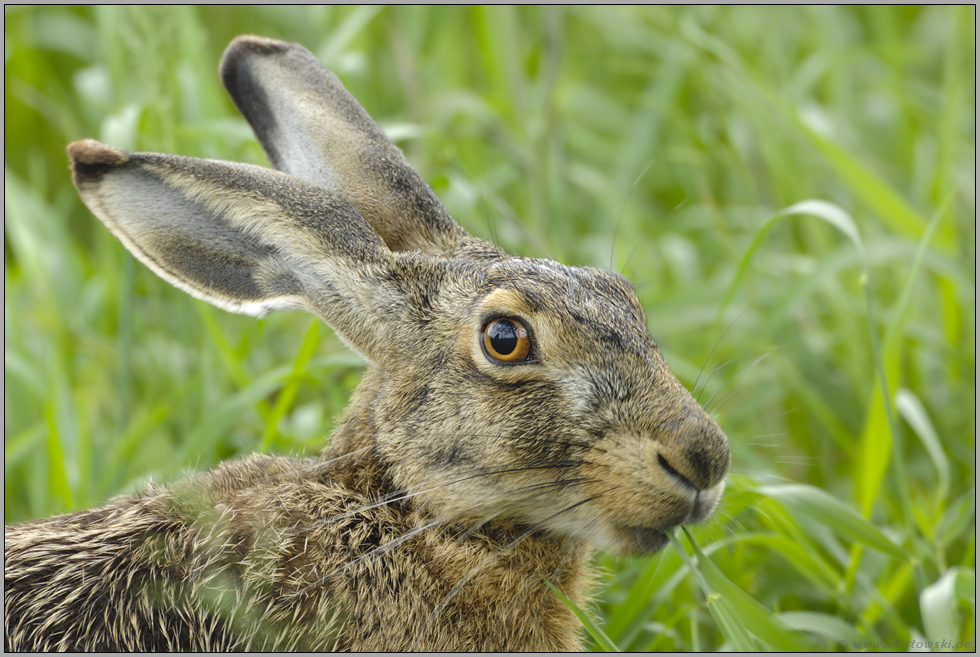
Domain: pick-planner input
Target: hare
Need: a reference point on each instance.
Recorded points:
(515, 414)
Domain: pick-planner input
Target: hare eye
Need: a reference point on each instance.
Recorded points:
(506, 340)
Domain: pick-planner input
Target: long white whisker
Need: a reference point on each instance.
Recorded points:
(710, 353)
(753, 363)
(378, 551)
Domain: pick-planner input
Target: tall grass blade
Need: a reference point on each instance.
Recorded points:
(746, 613)
(287, 395)
(828, 212)
(825, 625)
(833, 513)
(720, 607)
(940, 604)
(602, 641)
(912, 410)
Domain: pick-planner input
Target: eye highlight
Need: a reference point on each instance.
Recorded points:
(506, 340)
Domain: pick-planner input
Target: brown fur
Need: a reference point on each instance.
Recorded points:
(457, 482)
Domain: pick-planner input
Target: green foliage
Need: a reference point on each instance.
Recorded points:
(691, 148)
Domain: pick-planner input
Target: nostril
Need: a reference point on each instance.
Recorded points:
(694, 451)
(709, 460)
(671, 470)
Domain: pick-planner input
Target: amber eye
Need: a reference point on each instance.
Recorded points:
(506, 340)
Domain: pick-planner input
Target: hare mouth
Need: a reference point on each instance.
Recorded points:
(647, 539)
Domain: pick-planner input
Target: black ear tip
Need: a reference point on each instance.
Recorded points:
(242, 46)
(257, 44)
(90, 159)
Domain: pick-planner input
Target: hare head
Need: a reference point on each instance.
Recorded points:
(500, 389)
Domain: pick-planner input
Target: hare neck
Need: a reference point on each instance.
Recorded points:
(351, 456)
(484, 568)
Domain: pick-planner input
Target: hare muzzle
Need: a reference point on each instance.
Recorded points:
(668, 471)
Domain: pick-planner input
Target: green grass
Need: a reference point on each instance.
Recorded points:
(792, 190)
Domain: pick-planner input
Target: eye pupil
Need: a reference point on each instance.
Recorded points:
(503, 337)
(506, 341)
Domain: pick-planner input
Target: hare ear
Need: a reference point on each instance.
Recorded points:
(312, 128)
(247, 239)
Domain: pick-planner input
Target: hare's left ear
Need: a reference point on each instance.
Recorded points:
(253, 240)
(312, 128)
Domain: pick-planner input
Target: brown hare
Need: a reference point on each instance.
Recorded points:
(515, 415)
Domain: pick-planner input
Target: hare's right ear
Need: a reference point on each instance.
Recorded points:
(250, 240)
(312, 128)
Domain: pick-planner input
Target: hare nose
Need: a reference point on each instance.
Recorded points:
(697, 452)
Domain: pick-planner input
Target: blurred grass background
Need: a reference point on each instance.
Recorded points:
(792, 190)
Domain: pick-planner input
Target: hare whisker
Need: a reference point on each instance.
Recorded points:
(798, 459)
(729, 396)
(378, 551)
(755, 474)
(778, 434)
(732, 377)
(434, 614)
(542, 488)
(567, 509)
(756, 419)
(430, 486)
(470, 574)
(717, 343)
(514, 437)
(486, 212)
(473, 572)
(312, 465)
(619, 218)
(535, 439)
(732, 519)
(704, 384)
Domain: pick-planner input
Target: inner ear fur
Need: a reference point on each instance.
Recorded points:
(312, 128)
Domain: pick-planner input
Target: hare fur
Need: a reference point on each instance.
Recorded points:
(515, 414)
